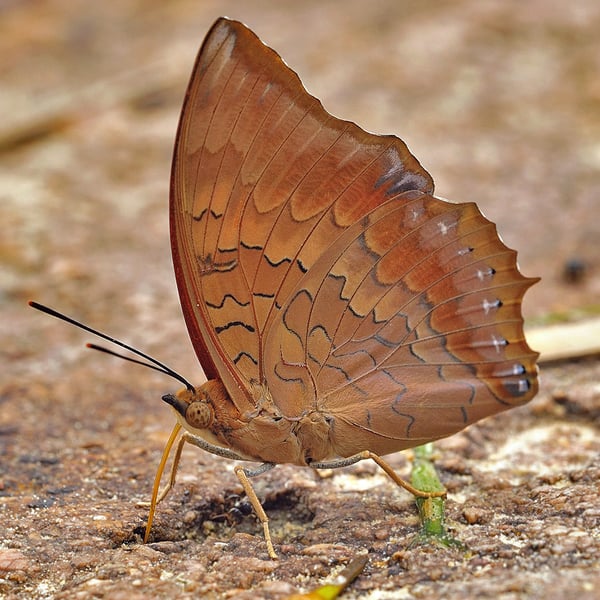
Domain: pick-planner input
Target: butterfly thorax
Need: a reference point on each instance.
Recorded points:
(264, 434)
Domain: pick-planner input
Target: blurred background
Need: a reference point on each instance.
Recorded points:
(499, 100)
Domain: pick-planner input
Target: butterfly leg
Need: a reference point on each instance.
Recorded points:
(194, 441)
(366, 455)
(156, 495)
(159, 496)
(243, 475)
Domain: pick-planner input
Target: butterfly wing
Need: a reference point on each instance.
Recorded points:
(407, 329)
(263, 179)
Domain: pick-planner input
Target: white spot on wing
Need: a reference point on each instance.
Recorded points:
(483, 274)
(416, 213)
(488, 306)
(498, 343)
(446, 227)
(518, 369)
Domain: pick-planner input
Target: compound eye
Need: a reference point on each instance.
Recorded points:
(199, 415)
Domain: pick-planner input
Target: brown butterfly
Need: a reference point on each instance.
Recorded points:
(339, 310)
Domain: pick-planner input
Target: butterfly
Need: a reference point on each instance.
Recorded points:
(339, 310)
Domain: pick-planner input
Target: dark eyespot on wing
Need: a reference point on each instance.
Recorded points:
(518, 387)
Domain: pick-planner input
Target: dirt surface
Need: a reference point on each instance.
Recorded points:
(500, 100)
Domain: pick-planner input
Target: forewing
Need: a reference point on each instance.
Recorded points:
(263, 179)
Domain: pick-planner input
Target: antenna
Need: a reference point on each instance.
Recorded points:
(156, 364)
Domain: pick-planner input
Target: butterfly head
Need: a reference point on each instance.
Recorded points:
(193, 407)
